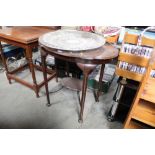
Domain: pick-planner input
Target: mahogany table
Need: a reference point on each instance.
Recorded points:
(86, 60)
(27, 38)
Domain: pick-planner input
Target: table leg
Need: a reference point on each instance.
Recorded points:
(100, 82)
(67, 68)
(56, 69)
(29, 57)
(4, 62)
(44, 67)
(84, 88)
(87, 69)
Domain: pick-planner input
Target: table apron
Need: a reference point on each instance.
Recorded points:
(75, 59)
(19, 44)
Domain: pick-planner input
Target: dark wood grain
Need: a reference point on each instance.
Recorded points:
(25, 37)
(86, 61)
(104, 54)
(23, 34)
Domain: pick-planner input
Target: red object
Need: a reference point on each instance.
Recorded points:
(87, 28)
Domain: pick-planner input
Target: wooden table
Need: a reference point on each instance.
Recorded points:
(85, 60)
(27, 38)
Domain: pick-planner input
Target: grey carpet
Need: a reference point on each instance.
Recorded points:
(20, 109)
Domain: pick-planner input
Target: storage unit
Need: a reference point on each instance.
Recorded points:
(142, 113)
(132, 62)
(133, 59)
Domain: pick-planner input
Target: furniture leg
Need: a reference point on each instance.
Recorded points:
(67, 68)
(29, 57)
(84, 88)
(87, 69)
(78, 94)
(4, 62)
(100, 82)
(56, 69)
(44, 67)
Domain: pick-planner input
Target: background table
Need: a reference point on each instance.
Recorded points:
(84, 58)
(27, 38)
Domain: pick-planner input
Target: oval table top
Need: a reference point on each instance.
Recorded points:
(97, 56)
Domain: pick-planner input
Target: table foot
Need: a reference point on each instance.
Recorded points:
(56, 79)
(36, 89)
(98, 95)
(80, 121)
(97, 100)
(10, 81)
(37, 95)
(48, 105)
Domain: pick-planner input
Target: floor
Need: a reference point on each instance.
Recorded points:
(20, 109)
